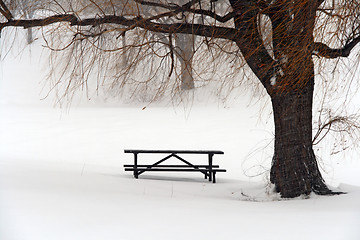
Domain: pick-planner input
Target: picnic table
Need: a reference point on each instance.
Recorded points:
(209, 170)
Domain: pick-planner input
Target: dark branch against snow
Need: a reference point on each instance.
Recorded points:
(213, 15)
(169, 6)
(175, 9)
(322, 50)
(138, 22)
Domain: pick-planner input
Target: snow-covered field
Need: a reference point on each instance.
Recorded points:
(62, 177)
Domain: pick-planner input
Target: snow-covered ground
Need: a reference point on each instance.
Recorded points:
(62, 176)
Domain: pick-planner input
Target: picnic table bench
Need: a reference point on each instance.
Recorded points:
(209, 170)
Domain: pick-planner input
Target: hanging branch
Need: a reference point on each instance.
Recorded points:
(171, 47)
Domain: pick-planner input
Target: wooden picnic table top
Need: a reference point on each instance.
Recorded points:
(175, 151)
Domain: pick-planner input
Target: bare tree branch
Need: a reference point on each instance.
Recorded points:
(187, 8)
(174, 7)
(3, 13)
(40, 22)
(4, 10)
(322, 50)
(196, 29)
(213, 15)
(251, 45)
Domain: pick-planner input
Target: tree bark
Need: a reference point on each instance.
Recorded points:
(294, 168)
(289, 80)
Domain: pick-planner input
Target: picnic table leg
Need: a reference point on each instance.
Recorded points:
(135, 166)
(210, 166)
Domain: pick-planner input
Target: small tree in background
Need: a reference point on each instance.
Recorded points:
(278, 40)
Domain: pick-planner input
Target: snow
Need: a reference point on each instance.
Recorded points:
(273, 80)
(62, 176)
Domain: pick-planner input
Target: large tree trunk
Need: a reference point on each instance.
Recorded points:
(288, 77)
(294, 168)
